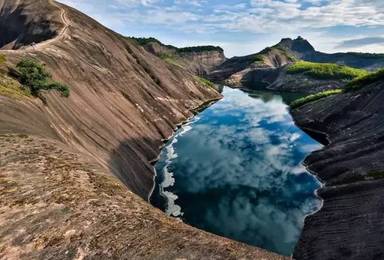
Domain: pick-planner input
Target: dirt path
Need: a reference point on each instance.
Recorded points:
(43, 44)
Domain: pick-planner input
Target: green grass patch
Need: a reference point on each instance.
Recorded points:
(304, 100)
(360, 82)
(326, 70)
(33, 75)
(205, 82)
(12, 88)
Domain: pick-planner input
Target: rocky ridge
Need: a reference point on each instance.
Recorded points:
(199, 60)
(268, 68)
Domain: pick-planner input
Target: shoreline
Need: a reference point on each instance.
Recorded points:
(195, 111)
(320, 203)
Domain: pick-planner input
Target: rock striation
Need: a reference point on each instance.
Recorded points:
(351, 166)
(199, 60)
(74, 171)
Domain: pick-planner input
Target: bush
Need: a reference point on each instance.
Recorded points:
(302, 101)
(33, 75)
(63, 89)
(326, 70)
(365, 80)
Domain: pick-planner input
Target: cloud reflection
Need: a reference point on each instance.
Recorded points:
(237, 172)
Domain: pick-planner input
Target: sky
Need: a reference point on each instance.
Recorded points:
(243, 27)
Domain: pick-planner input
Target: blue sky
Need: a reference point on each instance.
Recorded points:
(245, 26)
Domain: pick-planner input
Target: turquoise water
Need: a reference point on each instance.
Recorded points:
(236, 170)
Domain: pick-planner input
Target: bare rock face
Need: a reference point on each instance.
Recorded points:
(202, 62)
(60, 204)
(199, 60)
(351, 223)
(19, 27)
(123, 100)
(61, 162)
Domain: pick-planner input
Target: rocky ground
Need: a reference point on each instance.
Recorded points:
(60, 204)
(350, 224)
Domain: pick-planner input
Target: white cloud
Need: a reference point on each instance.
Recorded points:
(196, 19)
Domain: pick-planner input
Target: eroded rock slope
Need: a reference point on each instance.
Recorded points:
(351, 165)
(199, 60)
(60, 162)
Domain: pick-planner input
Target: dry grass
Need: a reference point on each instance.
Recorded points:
(12, 88)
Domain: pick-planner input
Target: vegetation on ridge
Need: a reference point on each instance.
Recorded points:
(144, 41)
(200, 49)
(326, 70)
(33, 75)
(365, 80)
(304, 100)
(355, 84)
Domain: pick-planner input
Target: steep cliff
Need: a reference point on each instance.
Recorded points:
(59, 159)
(351, 166)
(199, 60)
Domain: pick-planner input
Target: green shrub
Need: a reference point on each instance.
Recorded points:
(63, 89)
(365, 80)
(302, 101)
(33, 75)
(326, 70)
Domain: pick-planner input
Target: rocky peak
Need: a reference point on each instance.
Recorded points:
(299, 45)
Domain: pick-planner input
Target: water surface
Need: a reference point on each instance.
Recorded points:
(236, 170)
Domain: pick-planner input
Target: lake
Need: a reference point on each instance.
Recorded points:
(236, 170)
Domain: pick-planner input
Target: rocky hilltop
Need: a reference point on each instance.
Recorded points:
(74, 170)
(272, 68)
(199, 60)
(351, 166)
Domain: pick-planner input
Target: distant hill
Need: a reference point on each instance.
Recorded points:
(199, 60)
(268, 68)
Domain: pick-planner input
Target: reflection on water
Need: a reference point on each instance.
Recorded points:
(235, 170)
